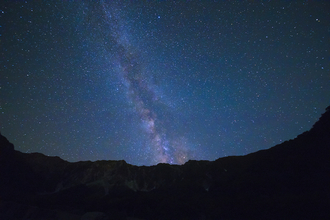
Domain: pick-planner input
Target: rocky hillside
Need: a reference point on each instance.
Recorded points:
(288, 181)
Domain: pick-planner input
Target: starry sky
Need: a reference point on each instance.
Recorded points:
(161, 82)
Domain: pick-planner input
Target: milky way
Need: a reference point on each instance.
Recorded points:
(159, 145)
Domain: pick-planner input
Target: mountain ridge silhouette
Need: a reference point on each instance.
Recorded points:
(288, 181)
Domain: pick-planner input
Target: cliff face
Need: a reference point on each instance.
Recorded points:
(290, 180)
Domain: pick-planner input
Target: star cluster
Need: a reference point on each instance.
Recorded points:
(161, 82)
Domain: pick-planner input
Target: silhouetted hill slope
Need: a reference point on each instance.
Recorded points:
(288, 181)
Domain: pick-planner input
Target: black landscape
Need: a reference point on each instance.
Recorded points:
(288, 181)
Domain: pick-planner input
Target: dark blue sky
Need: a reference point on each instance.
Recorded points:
(161, 82)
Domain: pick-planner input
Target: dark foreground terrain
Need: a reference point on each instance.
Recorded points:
(288, 181)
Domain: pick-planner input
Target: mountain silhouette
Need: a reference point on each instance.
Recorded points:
(288, 181)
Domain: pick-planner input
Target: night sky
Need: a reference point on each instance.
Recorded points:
(166, 82)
